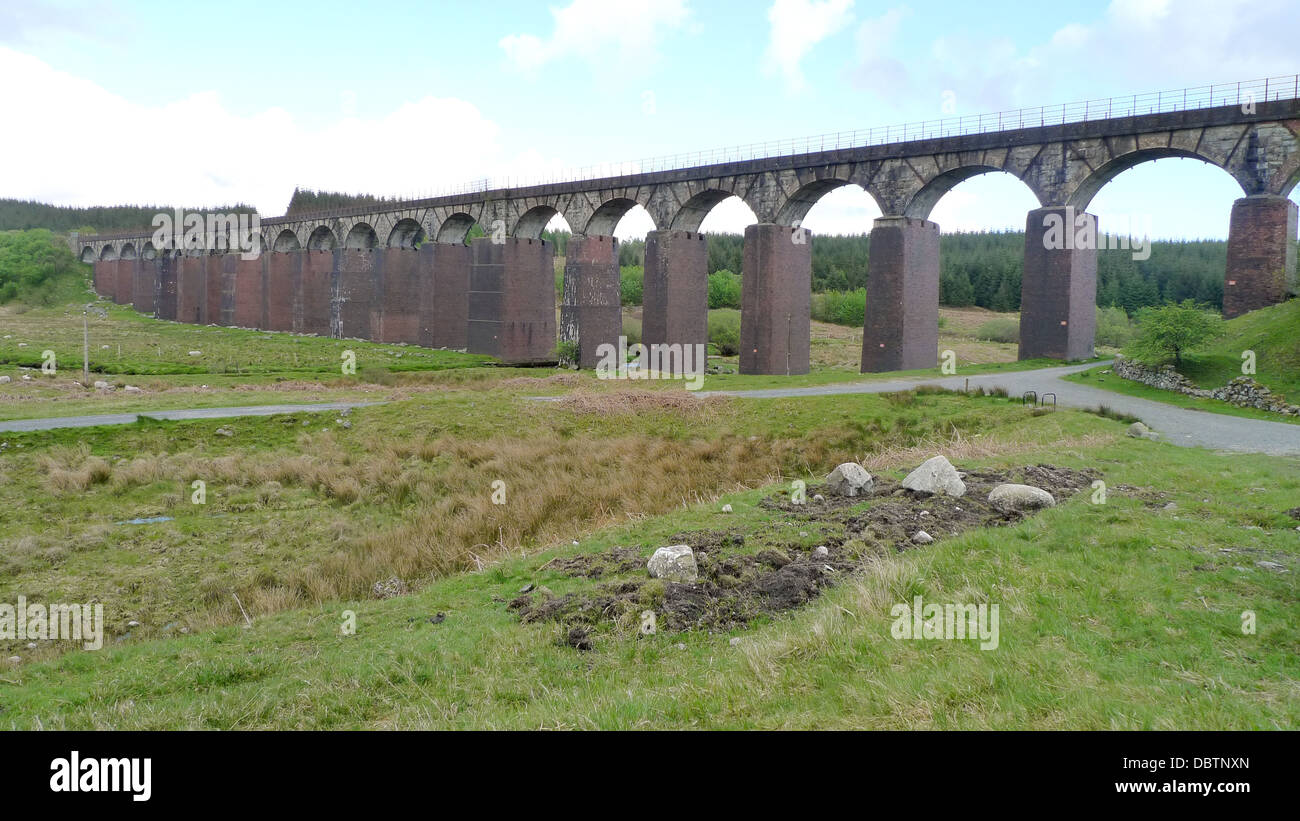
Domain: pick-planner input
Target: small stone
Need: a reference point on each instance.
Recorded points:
(528, 588)
(31, 645)
(1008, 498)
(935, 475)
(347, 425)
(133, 623)
(726, 508)
(817, 497)
(680, 646)
(820, 552)
(1274, 566)
(15, 659)
(849, 479)
(1138, 430)
(1171, 506)
(196, 353)
(225, 431)
(4, 380)
(675, 563)
(921, 537)
(133, 389)
(101, 385)
(735, 640)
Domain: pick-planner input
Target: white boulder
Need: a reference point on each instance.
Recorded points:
(1010, 498)
(676, 563)
(935, 475)
(849, 479)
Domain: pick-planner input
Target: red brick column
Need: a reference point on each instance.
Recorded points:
(444, 302)
(1261, 254)
(512, 300)
(675, 297)
(1058, 286)
(776, 291)
(901, 328)
(590, 312)
(165, 304)
(397, 311)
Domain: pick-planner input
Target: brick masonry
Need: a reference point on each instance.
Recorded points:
(901, 327)
(675, 296)
(1261, 254)
(590, 311)
(512, 300)
(1058, 287)
(444, 308)
(776, 290)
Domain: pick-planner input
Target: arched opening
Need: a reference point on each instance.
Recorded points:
(108, 253)
(287, 241)
(87, 254)
(839, 215)
(128, 251)
(698, 210)
(537, 220)
(1184, 206)
(361, 237)
(149, 252)
(455, 230)
(1082, 197)
(407, 233)
(322, 239)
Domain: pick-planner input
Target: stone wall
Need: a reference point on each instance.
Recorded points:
(1243, 391)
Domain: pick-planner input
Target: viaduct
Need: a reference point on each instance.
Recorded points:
(403, 272)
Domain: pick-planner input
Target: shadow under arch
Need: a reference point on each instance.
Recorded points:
(361, 237)
(286, 241)
(407, 233)
(322, 239)
(455, 229)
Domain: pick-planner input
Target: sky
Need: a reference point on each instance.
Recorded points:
(145, 102)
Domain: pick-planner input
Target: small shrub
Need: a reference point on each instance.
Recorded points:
(724, 331)
(724, 289)
(999, 330)
(631, 280)
(841, 307)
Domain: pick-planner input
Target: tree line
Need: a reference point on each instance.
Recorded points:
(22, 215)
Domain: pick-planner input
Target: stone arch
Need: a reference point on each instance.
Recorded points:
(798, 204)
(534, 222)
(148, 251)
(606, 218)
(924, 200)
(286, 241)
(322, 239)
(128, 252)
(108, 252)
(692, 212)
(407, 233)
(361, 237)
(1093, 183)
(87, 254)
(455, 228)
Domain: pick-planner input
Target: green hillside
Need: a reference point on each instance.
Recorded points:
(1272, 333)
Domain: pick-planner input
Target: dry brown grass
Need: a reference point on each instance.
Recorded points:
(631, 400)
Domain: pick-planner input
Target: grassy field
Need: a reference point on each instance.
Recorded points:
(1124, 614)
(227, 611)
(1103, 377)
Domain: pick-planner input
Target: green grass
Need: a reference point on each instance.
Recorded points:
(1116, 616)
(1106, 379)
(1273, 333)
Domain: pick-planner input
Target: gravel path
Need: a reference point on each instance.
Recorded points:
(1181, 426)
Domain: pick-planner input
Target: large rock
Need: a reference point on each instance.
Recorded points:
(935, 475)
(849, 479)
(676, 563)
(1010, 498)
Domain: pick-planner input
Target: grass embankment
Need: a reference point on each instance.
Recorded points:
(1272, 333)
(1125, 614)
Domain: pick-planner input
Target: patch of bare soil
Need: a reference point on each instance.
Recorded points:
(745, 576)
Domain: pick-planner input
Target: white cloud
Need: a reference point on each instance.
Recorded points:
(593, 30)
(83, 145)
(797, 26)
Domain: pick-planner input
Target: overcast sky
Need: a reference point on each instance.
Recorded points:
(199, 104)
